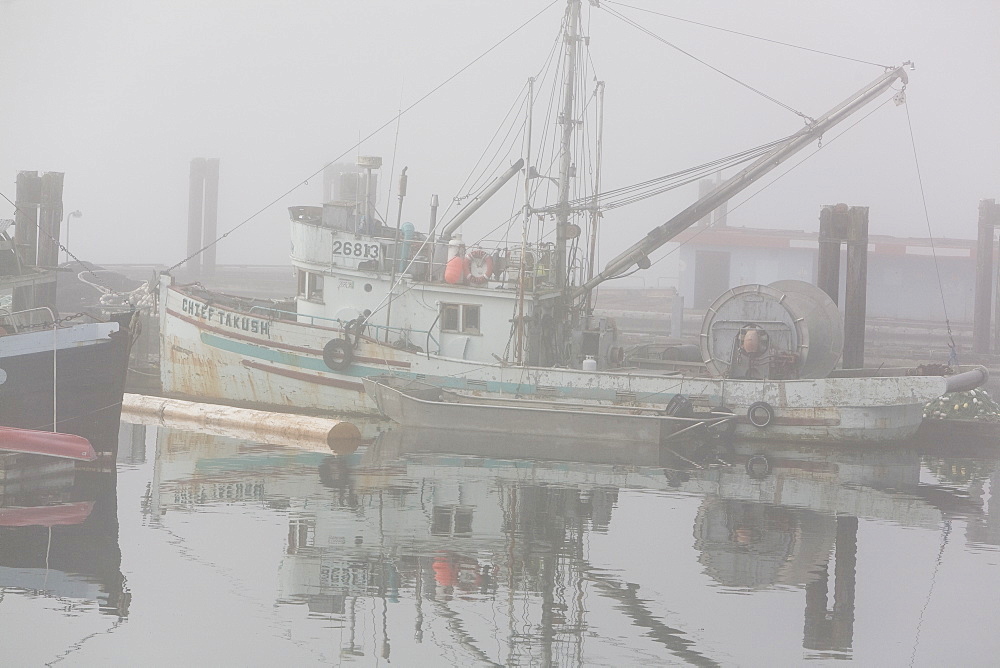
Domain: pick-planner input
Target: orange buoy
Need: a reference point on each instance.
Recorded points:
(456, 270)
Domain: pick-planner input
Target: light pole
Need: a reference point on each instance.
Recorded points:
(71, 214)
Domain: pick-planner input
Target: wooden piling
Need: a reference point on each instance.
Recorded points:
(828, 265)
(196, 202)
(27, 198)
(50, 213)
(856, 294)
(211, 214)
(984, 278)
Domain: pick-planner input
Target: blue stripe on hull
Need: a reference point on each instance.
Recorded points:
(316, 364)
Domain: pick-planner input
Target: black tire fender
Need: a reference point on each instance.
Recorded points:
(338, 354)
(679, 406)
(760, 414)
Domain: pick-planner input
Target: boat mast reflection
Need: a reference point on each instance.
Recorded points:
(436, 525)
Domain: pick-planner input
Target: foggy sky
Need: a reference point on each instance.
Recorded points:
(121, 95)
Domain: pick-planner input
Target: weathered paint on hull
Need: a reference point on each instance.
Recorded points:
(212, 352)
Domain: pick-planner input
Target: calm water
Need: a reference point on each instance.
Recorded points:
(422, 550)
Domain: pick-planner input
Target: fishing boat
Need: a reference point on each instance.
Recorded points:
(64, 375)
(515, 317)
(412, 403)
(68, 379)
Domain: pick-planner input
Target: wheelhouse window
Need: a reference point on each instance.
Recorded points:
(451, 317)
(460, 318)
(470, 319)
(311, 285)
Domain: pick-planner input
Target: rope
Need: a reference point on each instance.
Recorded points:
(612, 199)
(952, 349)
(776, 179)
(90, 271)
(764, 95)
(367, 137)
(743, 34)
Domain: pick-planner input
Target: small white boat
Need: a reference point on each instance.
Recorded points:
(416, 404)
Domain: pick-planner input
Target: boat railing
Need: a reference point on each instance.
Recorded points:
(494, 263)
(405, 333)
(27, 319)
(378, 330)
(295, 316)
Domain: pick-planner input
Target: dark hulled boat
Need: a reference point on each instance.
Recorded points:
(69, 379)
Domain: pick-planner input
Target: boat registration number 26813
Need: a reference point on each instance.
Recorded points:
(355, 249)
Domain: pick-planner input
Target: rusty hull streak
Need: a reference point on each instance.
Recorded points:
(308, 377)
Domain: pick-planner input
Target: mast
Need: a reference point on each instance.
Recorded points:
(519, 319)
(395, 251)
(595, 210)
(566, 144)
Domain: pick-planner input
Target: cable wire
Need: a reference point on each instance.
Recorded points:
(764, 95)
(367, 137)
(930, 237)
(775, 180)
(743, 34)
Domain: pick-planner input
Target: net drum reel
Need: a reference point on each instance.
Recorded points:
(785, 330)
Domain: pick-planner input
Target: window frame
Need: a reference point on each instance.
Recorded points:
(314, 287)
(461, 324)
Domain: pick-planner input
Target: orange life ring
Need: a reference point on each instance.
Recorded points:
(480, 266)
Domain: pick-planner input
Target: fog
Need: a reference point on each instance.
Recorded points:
(121, 95)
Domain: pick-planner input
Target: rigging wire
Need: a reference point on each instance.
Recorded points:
(656, 186)
(369, 136)
(540, 76)
(743, 34)
(478, 184)
(953, 357)
(775, 180)
(392, 167)
(749, 87)
(86, 269)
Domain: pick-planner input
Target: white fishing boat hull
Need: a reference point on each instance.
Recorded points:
(242, 358)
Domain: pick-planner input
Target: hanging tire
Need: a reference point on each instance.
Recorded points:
(760, 414)
(337, 354)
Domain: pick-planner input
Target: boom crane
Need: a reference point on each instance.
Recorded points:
(638, 253)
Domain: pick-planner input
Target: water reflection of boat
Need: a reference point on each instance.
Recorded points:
(59, 532)
(431, 517)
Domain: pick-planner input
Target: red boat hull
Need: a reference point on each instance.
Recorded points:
(52, 444)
